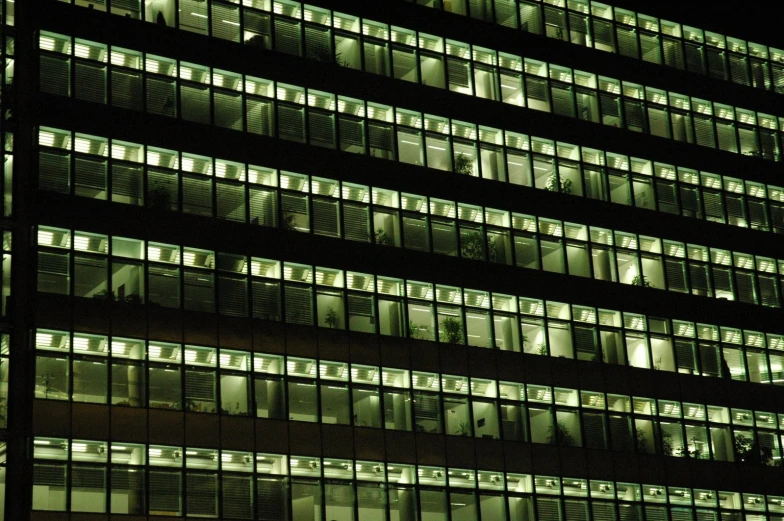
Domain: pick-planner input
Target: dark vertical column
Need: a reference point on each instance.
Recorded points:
(22, 309)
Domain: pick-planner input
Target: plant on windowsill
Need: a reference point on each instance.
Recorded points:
(556, 185)
(158, 197)
(416, 331)
(188, 404)
(642, 281)
(331, 318)
(463, 164)
(657, 364)
(541, 349)
(381, 237)
(558, 434)
(747, 450)
(287, 221)
(640, 440)
(666, 444)
(472, 246)
(684, 451)
(451, 331)
(463, 429)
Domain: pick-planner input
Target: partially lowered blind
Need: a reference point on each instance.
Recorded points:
(55, 75)
(322, 129)
(739, 69)
(126, 89)
(620, 433)
(90, 81)
(237, 497)
(200, 385)
(233, 295)
(87, 477)
(271, 499)
(576, 510)
(326, 217)
(287, 38)
(699, 279)
(758, 217)
(266, 300)
(716, 66)
(530, 17)
(356, 224)
(318, 44)
(291, 122)
(263, 206)
(548, 509)
(231, 200)
(627, 42)
(201, 494)
(126, 183)
(299, 305)
(629, 512)
(685, 356)
(49, 475)
(505, 13)
(228, 109)
(352, 134)
(162, 188)
(585, 342)
(161, 96)
(654, 513)
(694, 61)
(722, 280)
(649, 47)
(736, 213)
(380, 136)
(603, 511)
(714, 206)
(703, 131)
(54, 171)
(360, 305)
(665, 197)
(196, 194)
(90, 177)
(676, 274)
(195, 102)
(260, 116)
(710, 359)
(165, 492)
(744, 287)
(769, 291)
(603, 35)
(593, 426)
(673, 52)
(458, 73)
(226, 21)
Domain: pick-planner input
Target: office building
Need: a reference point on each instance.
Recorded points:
(440, 260)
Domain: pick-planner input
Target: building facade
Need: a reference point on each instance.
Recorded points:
(432, 260)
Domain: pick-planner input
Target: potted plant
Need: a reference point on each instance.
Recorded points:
(287, 221)
(640, 440)
(463, 429)
(463, 164)
(331, 318)
(554, 184)
(558, 434)
(416, 331)
(451, 330)
(472, 246)
(642, 281)
(381, 237)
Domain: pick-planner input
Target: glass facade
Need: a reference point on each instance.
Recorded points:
(198, 482)
(254, 277)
